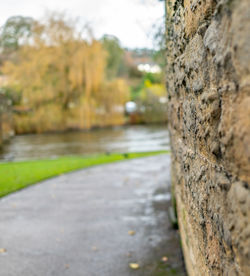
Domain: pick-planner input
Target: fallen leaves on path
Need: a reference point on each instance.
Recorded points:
(134, 265)
(3, 250)
(131, 233)
(164, 259)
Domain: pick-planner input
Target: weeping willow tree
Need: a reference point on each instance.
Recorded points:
(61, 79)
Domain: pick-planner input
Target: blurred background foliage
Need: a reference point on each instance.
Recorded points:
(58, 78)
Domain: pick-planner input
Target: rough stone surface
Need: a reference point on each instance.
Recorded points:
(208, 82)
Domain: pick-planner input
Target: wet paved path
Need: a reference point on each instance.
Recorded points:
(77, 224)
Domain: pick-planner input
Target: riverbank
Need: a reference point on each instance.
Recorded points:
(18, 175)
(99, 141)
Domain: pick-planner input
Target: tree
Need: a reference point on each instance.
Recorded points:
(61, 78)
(14, 32)
(115, 55)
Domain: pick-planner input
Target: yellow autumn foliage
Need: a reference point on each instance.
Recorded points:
(61, 78)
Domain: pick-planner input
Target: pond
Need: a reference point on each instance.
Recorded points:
(118, 139)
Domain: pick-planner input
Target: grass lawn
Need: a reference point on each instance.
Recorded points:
(17, 175)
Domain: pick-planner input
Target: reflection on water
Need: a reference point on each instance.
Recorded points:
(120, 139)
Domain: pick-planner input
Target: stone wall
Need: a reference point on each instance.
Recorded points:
(208, 83)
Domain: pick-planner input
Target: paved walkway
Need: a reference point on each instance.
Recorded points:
(78, 224)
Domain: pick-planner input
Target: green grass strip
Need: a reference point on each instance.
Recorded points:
(18, 175)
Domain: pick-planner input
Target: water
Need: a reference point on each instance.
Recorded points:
(119, 139)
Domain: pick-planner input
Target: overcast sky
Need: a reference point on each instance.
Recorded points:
(130, 20)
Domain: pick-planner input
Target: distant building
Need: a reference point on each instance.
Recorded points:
(149, 67)
(142, 60)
